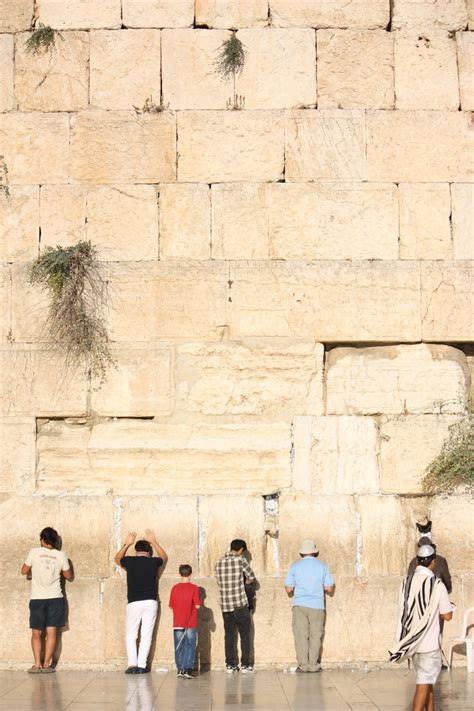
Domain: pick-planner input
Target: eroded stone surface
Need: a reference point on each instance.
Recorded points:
(17, 454)
(425, 229)
(465, 47)
(450, 515)
(335, 13)
(7, 99)
(443, 14)
(15, 15)
(80, 14)
(19, 217)
(239, 221)
(462, 201)
(158, 13)
(231, 13)
(185, 221)
(447, 301)
(5, 302)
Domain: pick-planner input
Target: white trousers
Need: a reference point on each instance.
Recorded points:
(141, 612)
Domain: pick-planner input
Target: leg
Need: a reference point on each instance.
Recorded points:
(229, 638)
(36, 646)
(50, 644)
(316, 631)
(421, 697)
(430, 700)
(179, 655)
(132, 625)
(149, 612)
(301, 635)
(242, 620)
(189, 648)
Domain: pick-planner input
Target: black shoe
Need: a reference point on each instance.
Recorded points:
(131, 670)
(230, 669)
(142, 670)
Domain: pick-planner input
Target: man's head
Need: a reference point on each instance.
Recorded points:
(308, 547)
(185, 570)
(426, 541)
(144, 547)
(426, 556)
(238, 546)
(49, 537)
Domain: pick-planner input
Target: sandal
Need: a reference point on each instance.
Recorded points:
(48, 670)
(35, 670)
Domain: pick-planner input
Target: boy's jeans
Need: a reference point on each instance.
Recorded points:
(185, 647)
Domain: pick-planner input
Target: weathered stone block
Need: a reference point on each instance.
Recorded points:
(274, 381)
(147, 456)
(355, 69)
(158, 13)
(340, 454)
(55, 80)
(425, 228)
(83, 635)
(80, 14)
(147, 148)
(337, 301)
(470, 14)
(228, 14)
(19, 217)
(239, 221)
(17, 454)
(447, 301)
(5, 302)
(7, 98)
(465, 47)
(418, 379)
(303, 516)
(279, 70)
(462, 205)
(325, 145)
(138, 386)
(221, 146)
(14, 627)
(335, 13)
(419, 146)
(124, 68)
(333, 221)
(185, 221)
(29, 308)
(426, 72)
(453, 531)
(15, 15)
(35, 147)
(190, 80)
(442, 14)
(408, 443)
(63, 214)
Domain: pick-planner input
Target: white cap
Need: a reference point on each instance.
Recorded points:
(425, 551)
(308, 546)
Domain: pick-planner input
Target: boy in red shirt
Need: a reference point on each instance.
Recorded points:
(185, 601)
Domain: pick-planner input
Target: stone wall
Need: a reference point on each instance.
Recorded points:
(291, 303)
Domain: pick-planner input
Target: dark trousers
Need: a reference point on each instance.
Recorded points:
(237, 620)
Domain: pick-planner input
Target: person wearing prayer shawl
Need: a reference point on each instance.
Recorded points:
(423, 601)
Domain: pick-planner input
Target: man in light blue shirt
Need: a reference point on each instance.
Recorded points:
(306, 582)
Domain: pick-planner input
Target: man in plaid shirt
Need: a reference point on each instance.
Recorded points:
(232, 572)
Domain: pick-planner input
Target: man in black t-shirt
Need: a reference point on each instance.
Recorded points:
(142, 596)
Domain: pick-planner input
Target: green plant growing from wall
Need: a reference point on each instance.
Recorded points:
(4, 184)
(77, 301)
(454, 465)
(149, 107)
(42, 40)
(230, 62)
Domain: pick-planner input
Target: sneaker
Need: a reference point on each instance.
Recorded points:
(246, 669)
(230, 669)
(187, 675)
(180, 674)
(131, 670)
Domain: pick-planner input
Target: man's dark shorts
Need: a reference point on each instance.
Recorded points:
(47, 613)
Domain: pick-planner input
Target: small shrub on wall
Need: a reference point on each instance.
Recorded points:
(454, 465)
(230, 62)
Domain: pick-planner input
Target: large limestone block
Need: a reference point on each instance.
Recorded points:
(462, 201)
(425, 227)
(15, 622)
(63, 214)
(274, 643)
(81, 639)
(80, 14)
(158, 13)
(190, 80)
(56, 80)
(174, 519)
(355, 69)
(447, 301)
(417, 379)
(426, 72)
(29, 308)
(17, 454)
(138, 385)
(36, 381)
(329, 520)
(419, 146)
(7, 98)
(465, 48)
(19, 217)
(5, 303)
(280, 68)
(336, 301)
(332, 13)
(442, 14)
(340, 454)
(325, 145)
(274, 381)
(228, 14)
(185, 221)
(137, 53)
(35, 147)
(147, 147)
(453, 532)
(222, 146)
(154, 302)
(470, 14)
(239, 221)
(15, 15)
(333, 221)
(149, 457)
(408, 443)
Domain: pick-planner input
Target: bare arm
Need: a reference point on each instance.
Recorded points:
(68, 574)
(25, 569)
(446, 616)
(151, 538)
(128, 542)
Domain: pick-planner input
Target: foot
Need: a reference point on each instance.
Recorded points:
(300, 670)
(315, 671)
(187, 675)
(35, 670)
(131, 670)
(142, 670)
(180, 674)
(230, 669)
(48, 670)
(246, 669)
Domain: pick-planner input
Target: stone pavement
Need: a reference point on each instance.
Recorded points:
(333, 690)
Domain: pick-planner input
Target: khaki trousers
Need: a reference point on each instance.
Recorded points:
(308, 630)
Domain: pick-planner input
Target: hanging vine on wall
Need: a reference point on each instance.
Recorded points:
(42, 40)
(78, 299)
(230, 62)
(454, 465)
(4, 184)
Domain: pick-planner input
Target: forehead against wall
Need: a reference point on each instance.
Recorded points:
(288, 253)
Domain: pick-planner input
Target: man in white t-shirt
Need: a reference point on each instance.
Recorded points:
(46, 564)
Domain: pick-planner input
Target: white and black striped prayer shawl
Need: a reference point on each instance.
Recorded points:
(419, 601)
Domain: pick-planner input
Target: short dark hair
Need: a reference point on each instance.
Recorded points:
(425, 562)
(185, 570)
(237, 544)
(143, 547)
(50, 536)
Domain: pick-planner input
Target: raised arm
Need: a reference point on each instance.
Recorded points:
(129, 540)
(151, 538)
